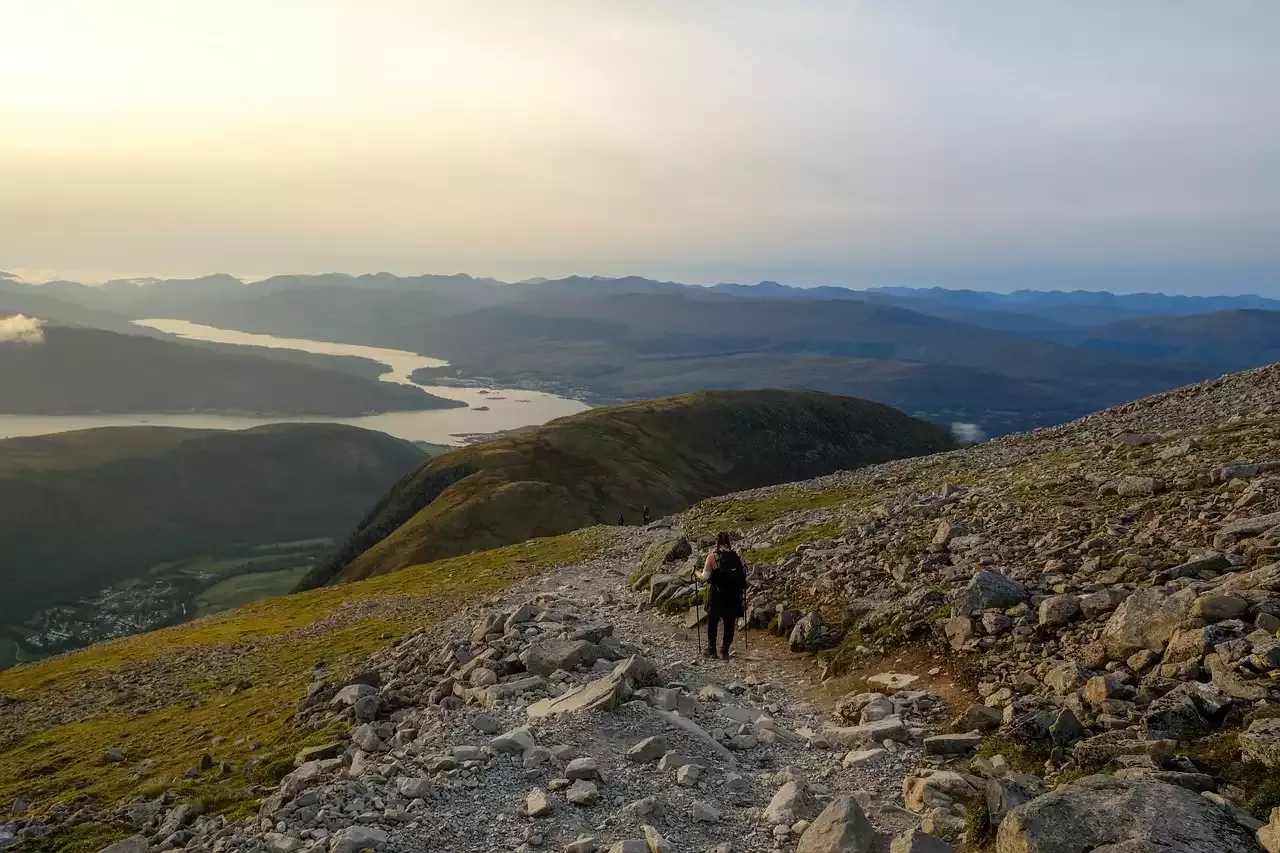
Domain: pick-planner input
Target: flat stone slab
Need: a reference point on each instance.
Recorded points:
(893, 680)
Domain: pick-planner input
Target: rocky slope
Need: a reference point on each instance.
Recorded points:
(1054, 643)
(593, 467)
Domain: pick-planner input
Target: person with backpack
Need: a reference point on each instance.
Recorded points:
(726, 578)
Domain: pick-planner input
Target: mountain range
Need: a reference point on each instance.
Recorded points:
(1004, 361)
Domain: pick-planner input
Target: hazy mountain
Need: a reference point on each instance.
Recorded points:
(632, 346)
(1229, 340)
(76, 371)
(1083, 307)
(592, 467)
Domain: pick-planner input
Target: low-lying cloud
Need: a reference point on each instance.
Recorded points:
(21, 329)
(966, 433)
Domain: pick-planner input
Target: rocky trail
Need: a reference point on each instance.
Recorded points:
(569, 715)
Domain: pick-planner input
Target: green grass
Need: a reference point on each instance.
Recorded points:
(786, 546)
(246, 589)
(718, 514)
(73, 838)
(274, 644)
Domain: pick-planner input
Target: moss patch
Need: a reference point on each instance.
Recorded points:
(786, 546)
(718, 514)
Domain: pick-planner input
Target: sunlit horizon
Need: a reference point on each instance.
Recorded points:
(816, 143)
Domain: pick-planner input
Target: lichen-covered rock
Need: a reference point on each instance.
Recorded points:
(1261, 742)
(1102, 813)
(989, 589)
(1147, 619)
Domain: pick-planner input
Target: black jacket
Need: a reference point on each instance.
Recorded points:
(726, 585)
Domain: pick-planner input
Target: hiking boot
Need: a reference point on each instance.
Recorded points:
(709, 653)
(724, 654)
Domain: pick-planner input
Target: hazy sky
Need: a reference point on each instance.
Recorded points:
(701, 141)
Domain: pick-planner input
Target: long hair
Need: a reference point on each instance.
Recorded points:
(723, 541)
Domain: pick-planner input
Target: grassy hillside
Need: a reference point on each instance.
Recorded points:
(76, 371)
(228, 684)
(86, 510)
(592, 467)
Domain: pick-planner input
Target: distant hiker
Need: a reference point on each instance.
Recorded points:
(726, 578)
(644, 517)
(621, 521)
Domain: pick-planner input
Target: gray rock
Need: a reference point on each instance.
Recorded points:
(989, 589)
(1058, 610)
(1138, 487)
(630, 845)
(366, 708)
(1243, 528)
(956, 744)
(603, 694)
(703, 812)
(1003, 796)
(1174, 715)
(890, 728)
(583, 768)
(1261, 742)
(1065, 678)
(516, 740)
(807, 633)
(178, 817)
(840, 828)
(649, 749)
(791, 803)
(959, 631)
(536, 803)
(114, 755)
(980, 717)
(583, 793)
(915, 841)
(1102, 813)
(546, 656)
(1217, 608)
(353, 839)
(1147, 619)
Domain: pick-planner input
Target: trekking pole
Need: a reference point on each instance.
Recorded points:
(697, 614)
(746, 626)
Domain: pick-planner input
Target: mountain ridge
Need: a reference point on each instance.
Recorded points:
(592, 467)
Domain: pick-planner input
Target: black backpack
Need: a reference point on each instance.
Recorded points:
(732, 574)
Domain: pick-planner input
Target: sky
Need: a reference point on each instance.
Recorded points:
(1007, 143)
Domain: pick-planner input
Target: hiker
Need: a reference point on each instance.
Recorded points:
(726, 578)
(622, 521)
(644, 517)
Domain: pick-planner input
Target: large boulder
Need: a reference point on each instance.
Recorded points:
(546, 656)
(807, 634)
(841, 828)
(791, 803)
(1103, 814)
(603, 694)
(1147, 619)
(989, 589)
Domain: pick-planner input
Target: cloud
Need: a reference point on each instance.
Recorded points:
(967, 433)
(21, 329)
